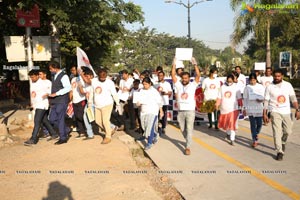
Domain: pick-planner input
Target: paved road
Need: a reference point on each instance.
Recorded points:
(217, 170)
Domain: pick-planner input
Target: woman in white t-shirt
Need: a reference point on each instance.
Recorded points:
(151, 103)
(253, 106)
(229, 100)
(211, 86)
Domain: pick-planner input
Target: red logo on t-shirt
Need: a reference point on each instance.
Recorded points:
(227, 94)
(281, 99)
(74, 85)
(212, 86)
(160, 89)
(267, 83)
(33, 94)
(184, 96)
(98, 90)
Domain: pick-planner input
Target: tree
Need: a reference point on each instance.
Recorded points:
(92, 25)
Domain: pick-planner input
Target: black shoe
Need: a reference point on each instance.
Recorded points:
(279, 156)
(141, 138)
(60, 142)
(283, 147)
(217, 129)
(210, 126)
(29, 142)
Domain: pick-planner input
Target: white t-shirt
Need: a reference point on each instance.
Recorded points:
(266, 80)
(102, 92)
(251, 93)
(124, 88)
(211, 88)
(229, 96)
(278, 96)
(77, 96)
(150, 101)
(186, 95)
(38, 89)
(164, 87)
(241, 82)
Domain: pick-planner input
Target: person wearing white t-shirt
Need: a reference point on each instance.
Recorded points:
(165, 91)
(136, 111)
(102, 96)
(125, 86)
(79, 101)
(253, 106)
(211, 86)
(39, 92)
(229, 100)
(186, 102)
(277, 98)
(241, 79)
(43, 76)
(151, 104)
(267, 79)
(85, 89)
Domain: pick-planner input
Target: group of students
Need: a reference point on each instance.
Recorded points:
(146, 101)
(266, 98)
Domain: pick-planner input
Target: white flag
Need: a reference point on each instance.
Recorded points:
(83, 60)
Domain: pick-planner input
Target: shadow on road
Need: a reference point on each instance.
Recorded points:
(58, 191)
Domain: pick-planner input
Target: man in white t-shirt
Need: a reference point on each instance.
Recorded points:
(39, 92)
(165, 91)
(186, 102)
(267, 79)
(102, 96)
(125, 86)
(277, 98)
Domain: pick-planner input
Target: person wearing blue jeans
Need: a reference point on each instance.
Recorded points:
(253, 106)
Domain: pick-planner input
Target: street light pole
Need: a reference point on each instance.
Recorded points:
(188, 6)
(189, 23)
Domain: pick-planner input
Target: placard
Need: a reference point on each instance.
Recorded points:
(184, 53)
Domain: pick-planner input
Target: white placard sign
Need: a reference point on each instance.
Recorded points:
(260, 66)
(184, 53)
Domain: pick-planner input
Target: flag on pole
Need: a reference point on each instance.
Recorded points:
(83, 60)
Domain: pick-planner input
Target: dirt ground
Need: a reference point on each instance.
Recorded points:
(84, 170)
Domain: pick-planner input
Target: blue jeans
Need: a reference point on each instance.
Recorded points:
(186, 120)
(255, 126)
(152, 133)
(88, 125)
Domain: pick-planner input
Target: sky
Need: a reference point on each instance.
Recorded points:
(211, 21)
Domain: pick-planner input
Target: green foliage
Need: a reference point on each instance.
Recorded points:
(92, 25)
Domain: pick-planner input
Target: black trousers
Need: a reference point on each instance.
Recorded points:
(78, 113)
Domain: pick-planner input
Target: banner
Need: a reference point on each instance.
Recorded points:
(83, 60)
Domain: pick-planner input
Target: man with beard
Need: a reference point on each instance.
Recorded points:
(277, 98)
(186, 102)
